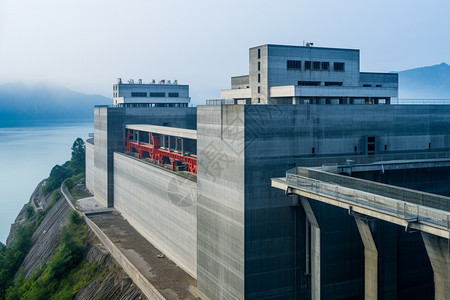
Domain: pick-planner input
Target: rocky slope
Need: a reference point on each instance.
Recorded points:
(114, 283)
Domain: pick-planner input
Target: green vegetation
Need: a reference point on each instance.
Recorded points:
(11, 257)
(71, 171)
(65, 274)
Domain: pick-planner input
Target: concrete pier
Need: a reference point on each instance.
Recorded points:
(315, 249)
(438, 252)
(370, 259)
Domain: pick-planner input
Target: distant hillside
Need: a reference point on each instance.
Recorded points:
(19, 101)
(431, 82)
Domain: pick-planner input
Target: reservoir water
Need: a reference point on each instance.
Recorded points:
(28, 151)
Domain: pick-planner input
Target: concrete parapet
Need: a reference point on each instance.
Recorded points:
(138, 278)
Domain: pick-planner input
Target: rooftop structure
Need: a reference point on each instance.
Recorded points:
(161, 94)
(280, 74)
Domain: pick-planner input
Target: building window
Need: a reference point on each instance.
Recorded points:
(316, 65)
(259, 66)
(325, 66)
(138, 94)
(367, 85)
(294, 64)
(259, 89)
(378, 85)
(259, 53)
(309, 83)
(157, 94)
(338, 66)
(259, 77)
(174, 95)
(259, 100)
(307, 65)
(332, 83)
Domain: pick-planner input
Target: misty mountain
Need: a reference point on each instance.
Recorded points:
(431, 82)
(19, 101)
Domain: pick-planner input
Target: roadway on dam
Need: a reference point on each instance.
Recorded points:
(169, 279)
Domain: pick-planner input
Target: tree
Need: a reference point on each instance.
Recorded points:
(78, 160)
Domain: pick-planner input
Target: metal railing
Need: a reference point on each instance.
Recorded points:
(220, 102)
(420, 101)
(389, 206)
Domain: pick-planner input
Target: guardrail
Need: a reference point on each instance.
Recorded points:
(421, 101)
(138, 278)
(385, 205)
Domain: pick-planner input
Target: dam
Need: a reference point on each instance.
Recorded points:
(299, 197)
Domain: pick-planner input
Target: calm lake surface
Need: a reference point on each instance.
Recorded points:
(28, 151)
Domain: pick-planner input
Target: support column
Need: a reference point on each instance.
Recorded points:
(182, 146)
(438, 253)
(370, 260)
(315, 249)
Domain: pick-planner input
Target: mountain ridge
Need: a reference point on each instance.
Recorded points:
(428, 82)
(19, 101)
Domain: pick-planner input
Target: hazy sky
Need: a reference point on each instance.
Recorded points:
(86, 44)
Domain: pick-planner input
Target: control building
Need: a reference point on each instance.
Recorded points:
(196, 182)
(280, 74)
(161, 94)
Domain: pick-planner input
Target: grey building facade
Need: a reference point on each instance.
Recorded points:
(246, 238)
(280, 74)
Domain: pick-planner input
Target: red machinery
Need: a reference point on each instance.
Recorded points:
(154, 152)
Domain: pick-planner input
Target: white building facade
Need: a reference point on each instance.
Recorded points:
(161, 94)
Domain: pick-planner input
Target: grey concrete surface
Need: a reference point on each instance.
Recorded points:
(220, 209)
(90, 165)
(370, 260)
(438, 250)
(161, 206)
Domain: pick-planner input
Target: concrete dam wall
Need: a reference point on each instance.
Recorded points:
(161, 206)
(90, 175)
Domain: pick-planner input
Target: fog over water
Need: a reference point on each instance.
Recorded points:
(28, 151)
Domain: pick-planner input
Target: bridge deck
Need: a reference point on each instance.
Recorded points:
(412, 209)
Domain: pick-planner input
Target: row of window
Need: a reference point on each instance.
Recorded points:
(314, 65)
(317, 83)
(152, 105)
(154, 94)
